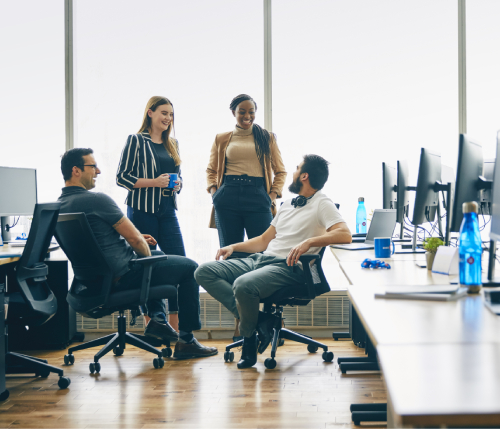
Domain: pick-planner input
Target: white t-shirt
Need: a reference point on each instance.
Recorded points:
(294, 225)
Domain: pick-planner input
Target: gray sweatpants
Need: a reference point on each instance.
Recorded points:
(239, 284)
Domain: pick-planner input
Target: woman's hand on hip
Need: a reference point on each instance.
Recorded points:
(162, 181)
(178, 184)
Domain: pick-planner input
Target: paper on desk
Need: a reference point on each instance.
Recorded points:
(426, 293)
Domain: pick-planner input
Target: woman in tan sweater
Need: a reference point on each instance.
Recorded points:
(245, 175)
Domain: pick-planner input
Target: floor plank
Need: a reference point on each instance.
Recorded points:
(302, 392)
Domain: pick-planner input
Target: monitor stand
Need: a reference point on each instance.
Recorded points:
(491, 281)
(4, 221)
(414, 245)
(401, 238)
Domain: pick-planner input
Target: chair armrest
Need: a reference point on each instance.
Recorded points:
(306, 267)
(148, 260)
(146, 275)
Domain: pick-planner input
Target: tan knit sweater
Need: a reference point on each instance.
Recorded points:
(241, 157)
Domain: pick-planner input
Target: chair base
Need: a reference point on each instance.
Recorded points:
(368, 413)
(117, 342)
(280, 333)
(337, 335)
(17, 363)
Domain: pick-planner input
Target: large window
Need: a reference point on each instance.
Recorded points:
(199, 54)
(483, 73)
(32, 91)
(362, 82)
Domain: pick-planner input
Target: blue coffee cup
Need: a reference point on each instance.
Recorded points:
(173, 179)
(383, 247)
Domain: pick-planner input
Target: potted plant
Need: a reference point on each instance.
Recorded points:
(431, 244)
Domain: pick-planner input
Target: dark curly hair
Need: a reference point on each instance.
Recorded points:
(317, 168)
(261, 136)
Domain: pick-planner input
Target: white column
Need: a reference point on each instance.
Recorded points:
(68, 60)
(268, 67)
(462, 69)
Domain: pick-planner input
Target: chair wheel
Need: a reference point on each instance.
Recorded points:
(118, 351)
(158, 362)
(95, 367)
(327, 356)
(166, 352)
(311, 348)
(228, 356)
(4, 395)
(281, 342)
(69, 359)
(270, 363)
(63, 382)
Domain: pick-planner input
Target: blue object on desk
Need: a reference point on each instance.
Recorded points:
(375, 263)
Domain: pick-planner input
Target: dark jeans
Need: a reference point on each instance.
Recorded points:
(165, 229)
(176, 270)
(241, 208)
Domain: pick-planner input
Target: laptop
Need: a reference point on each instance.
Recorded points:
(382, 225)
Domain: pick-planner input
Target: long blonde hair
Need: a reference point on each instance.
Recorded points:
(168, 142)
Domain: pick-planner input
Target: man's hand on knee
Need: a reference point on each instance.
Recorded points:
(225, 252)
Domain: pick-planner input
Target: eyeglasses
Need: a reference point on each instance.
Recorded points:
(94, 166)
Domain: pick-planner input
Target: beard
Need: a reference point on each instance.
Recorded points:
(295, 186)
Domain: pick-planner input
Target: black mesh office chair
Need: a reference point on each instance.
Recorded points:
(315, 285)
(92, 296)
(30, 300)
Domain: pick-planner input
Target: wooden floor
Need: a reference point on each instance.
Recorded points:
(302, 392)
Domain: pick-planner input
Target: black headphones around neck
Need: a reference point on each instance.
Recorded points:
(301, 201)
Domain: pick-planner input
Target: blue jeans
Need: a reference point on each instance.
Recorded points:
(165, 229)
(240, 209)
(176, 270)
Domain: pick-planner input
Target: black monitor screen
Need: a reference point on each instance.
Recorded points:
(17, 191)
(469, 168)
(426, 199)
(403, 198)
(389, 182)
(495, 203)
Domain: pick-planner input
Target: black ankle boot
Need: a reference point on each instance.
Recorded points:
(249, 352)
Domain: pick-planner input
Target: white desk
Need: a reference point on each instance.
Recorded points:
(441, 360)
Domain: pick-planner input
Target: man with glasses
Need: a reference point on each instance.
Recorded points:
(120, 242)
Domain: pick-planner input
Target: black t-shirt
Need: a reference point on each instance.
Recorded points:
(167, 164)
(102, 213)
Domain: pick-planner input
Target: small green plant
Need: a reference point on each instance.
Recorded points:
(431, 244)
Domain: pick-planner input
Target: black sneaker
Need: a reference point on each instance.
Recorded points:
(248, 352)
(161, 330)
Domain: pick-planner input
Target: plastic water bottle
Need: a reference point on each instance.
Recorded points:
(470, 249)
(361, 217)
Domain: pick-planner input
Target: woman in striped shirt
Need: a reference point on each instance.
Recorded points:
(148, 159)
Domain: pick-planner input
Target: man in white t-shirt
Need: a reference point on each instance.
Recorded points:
(304, 224)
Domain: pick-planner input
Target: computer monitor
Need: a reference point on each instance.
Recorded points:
(389, 186)
(485, 194)
(495, 220)
(18, 195)
(426, 198)
(448, 176)
(403, 194)
(468, 184)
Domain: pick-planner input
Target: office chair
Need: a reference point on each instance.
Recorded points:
(315, 285)
(92, 296)
(31, 302)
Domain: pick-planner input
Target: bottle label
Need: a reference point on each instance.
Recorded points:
(364, 224)
(470, 260)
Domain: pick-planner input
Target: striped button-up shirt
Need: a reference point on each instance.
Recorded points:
(139, 161)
